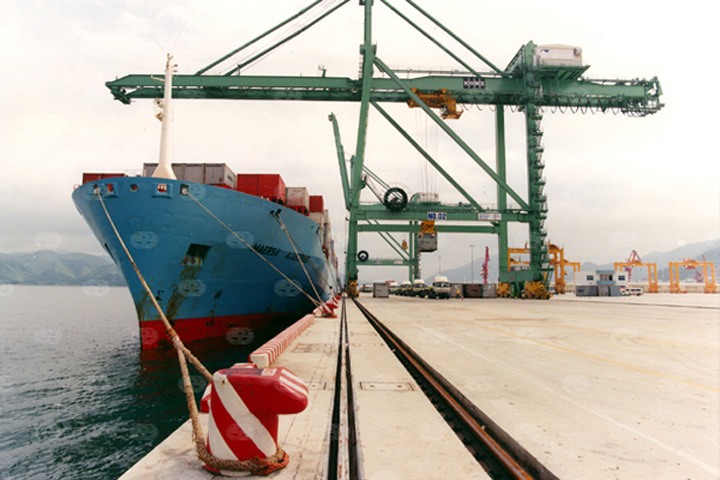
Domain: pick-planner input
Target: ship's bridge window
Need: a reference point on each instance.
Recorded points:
(196, 255)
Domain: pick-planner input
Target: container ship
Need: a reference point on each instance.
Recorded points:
(218, 257)
(223, 254)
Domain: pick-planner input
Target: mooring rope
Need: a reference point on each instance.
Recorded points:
(297, 255)
(186, 191)
(255, 465)
(292, 240)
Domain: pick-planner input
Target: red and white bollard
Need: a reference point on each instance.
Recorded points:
(244, 406)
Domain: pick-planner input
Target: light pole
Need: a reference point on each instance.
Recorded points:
(439, 265)
(472, 264)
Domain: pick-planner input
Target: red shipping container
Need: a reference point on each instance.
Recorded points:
(317, 204)
(265, 185)
(94, 177)
(272, 186)
(247, 184)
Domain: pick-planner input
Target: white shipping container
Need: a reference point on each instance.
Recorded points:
(298, 196)
(149, 169)
(318, 217)
(327, 230)
(381, 290)
(218, 174)
(190, 172)
(208, 173)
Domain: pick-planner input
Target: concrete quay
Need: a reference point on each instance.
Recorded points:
(594, 388)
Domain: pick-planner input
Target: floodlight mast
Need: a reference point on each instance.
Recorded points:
(528, 84)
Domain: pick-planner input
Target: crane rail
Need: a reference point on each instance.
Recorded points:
(500, 456)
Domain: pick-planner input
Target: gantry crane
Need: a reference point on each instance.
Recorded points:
(537, 78)
(557, 261)
(634, 261)
(708, 270)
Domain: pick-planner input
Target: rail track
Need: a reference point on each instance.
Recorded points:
(501, 456)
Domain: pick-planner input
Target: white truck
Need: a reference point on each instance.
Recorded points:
(440, 287)
(419, 288)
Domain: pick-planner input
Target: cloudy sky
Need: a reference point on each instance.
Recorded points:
(613, 183)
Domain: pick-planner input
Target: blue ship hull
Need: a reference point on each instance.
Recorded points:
(205, 276)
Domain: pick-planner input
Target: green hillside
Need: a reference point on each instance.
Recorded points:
(46, 267)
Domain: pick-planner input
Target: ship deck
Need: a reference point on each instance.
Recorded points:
(602, 388)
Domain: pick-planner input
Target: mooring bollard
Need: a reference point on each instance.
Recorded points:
(244, 406)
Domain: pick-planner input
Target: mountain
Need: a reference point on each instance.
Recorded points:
(46, 267)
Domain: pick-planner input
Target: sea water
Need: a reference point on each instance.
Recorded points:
(78, 397)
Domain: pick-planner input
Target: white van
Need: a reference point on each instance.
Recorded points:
(633, 291)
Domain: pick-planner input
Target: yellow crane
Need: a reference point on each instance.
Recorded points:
(690, 264)
(557, 260)
(635, 261)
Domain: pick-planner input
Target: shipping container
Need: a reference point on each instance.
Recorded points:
(298, 197)
(219, 174)
(94, 177)
(299, 209)
(381, 290)
(265, 185)
(319, 217)
(489, 290)
(472, 290)
(272, 187)
(427, 242)
(207, 173)
(317, 203)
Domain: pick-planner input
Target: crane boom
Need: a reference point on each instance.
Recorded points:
(629, 96)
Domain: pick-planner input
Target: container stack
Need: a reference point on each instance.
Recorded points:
(316, 210)
(217, 174)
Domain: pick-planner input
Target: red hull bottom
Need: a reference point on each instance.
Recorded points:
(237, 329)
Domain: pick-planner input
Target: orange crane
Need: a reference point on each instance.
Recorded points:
(635, 261)
(690, 264)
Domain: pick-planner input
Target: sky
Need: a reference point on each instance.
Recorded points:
(614, 183)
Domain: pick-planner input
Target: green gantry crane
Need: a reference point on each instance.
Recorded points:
(538, 77)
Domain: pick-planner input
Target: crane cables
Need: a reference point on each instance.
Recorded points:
(284, 32)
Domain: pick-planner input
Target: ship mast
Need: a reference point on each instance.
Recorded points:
(164, 169)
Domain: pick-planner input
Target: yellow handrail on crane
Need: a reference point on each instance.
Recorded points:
(690, 264)
(634, 261)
